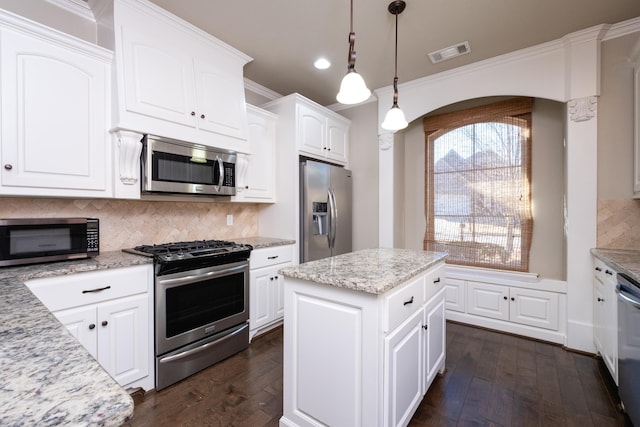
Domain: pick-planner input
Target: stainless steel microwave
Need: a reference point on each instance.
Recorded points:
(170, 166)
(36, 240)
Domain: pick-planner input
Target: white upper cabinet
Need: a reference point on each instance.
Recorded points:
(322, 134)
(54, 113)
(172, 79)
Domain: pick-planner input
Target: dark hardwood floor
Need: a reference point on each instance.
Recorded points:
(492, 379)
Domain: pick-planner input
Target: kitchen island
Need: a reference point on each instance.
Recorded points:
(364, 337)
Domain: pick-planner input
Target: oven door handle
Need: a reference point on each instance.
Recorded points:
(196, 350)
(199, 277)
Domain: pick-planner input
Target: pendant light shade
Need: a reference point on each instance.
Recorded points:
(353, 88)
(395, 120)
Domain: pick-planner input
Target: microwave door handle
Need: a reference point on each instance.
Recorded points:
(220, 174)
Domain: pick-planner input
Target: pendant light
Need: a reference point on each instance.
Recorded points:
(353, 88)
(395, 120)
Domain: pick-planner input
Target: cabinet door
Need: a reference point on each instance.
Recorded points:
(534, 308)
(598, 314)
(278, 293)
(157, 68)
(455, 294)
(81, 322)
(260, 173)
(260, 288)
(488, 300)
(123, 338)
(435, 342)
(220, 95)
(337, 141)
(54, 119)
(610, 328)
(403, 371)
(311, 131)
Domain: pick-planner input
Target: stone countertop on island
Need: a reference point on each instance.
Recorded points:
(370, 270)
(625, 261)
(47, 377)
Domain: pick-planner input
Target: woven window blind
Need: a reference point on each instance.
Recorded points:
(478, 174)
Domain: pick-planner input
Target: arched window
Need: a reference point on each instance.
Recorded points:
(478, 174)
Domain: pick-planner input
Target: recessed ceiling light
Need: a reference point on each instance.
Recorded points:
(322, 63)
(449, 52)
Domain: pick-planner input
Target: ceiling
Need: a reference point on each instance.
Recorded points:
(284, 37)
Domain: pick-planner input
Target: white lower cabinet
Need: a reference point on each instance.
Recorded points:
(266, 287)
(360, 359)
(110, 313)
(605, 316)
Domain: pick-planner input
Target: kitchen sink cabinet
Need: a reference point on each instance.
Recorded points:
(54, 113)
(605, 315)
(361, 359)
(110, 313)
(201, 78)
(256, 171)
(266, 287)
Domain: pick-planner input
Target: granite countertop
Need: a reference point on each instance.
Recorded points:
(47, 377)
(622, 260)
(370, 270)
(263, 242)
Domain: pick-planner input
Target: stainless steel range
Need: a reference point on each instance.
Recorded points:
(201, 305)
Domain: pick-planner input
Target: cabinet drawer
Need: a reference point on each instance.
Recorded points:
(434, 282)
(270, 256)
(73, 290)
(604, 272)
(402, 303)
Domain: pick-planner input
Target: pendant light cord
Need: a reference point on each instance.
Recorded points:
(395, 78)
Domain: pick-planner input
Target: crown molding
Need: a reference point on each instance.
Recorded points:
(623, 28)
(77, 7)
(258, 89)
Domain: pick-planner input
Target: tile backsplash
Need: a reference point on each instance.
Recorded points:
(128, 223)
(619, 224)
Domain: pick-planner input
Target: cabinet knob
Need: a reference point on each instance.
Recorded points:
(105, 323)
(92, 326)
(505, 298)
(609, 272)
(426, 327)
(598, 269)
(193, 113)
(513, 299)
(8, 166)
(600, 299)
(202, 116)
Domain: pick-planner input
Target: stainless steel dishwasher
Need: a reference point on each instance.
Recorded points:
(628, 292)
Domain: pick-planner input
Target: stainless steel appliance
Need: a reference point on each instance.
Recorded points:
(201, 305)
(628, 292)
(35, 240)
(325, 210)
(170, 166)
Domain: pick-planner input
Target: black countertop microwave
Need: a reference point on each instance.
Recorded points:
(171, 166)
(36, 240)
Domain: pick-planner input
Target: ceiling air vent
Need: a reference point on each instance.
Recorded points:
(449, 52)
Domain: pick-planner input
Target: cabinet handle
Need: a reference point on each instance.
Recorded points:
(609, 272)
(92, 326)
(96, 290)
(600, 299)
(437, 280)
(105, 323)
(271, 257)
(598, 269)
(409, 302)
(8, 166)
(425, 327)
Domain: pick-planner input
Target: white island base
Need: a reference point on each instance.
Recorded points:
(362, 342)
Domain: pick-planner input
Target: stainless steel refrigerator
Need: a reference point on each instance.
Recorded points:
(325, 210)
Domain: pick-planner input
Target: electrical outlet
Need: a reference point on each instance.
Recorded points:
(229, 219)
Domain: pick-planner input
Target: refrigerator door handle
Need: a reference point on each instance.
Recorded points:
(333, 218)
